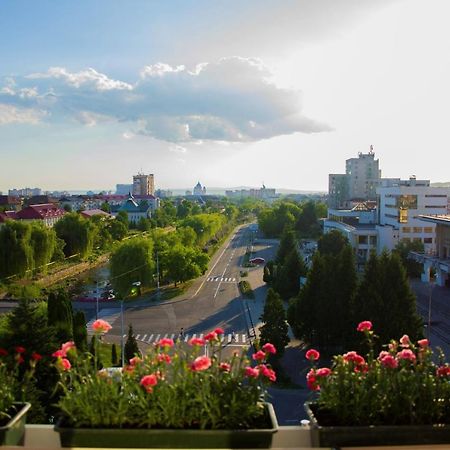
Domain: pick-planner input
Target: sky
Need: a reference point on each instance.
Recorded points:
(225, 92)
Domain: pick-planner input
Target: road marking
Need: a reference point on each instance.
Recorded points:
(157, 338)
(143, 337)
(172, 336)
(137, 337)
(229, 339)
(150, 338)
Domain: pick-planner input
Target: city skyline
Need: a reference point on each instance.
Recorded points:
(227, 93)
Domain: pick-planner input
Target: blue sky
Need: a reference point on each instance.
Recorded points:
(226, 92)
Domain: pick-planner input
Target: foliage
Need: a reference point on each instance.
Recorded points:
(184, 263)
(288, 241)
(384, 295)
(401, 386)
(413, 268)
(78, 234)
(60, 315)
(79, 330)
(287, 279)
(132, 261)
(172, 387)
(331, 243)
(275, 327)
(43, 243)
(206, 226)
(114, 358)
(131, 348)
(118, 229)
(268, 272)
(246, 289)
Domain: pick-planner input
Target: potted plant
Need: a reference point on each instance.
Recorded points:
(400, 396)
(179, 395)
(13, 408)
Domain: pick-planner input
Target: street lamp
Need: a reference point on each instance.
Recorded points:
(429, 308)
(97, 294)
(122, 341)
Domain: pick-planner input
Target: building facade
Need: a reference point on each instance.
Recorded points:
(143, 184)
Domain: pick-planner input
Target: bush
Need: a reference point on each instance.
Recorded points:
(246, 289)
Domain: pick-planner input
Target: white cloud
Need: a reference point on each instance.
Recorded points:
(231, 100)
(12, 114)
(177, 149)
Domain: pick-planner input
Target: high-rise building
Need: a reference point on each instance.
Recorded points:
(143, 184)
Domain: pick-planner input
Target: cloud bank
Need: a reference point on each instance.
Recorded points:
(231, 100)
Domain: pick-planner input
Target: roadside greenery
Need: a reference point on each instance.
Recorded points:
(246, 289)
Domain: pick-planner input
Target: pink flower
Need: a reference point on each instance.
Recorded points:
(219, 331)
(406, 354)
(423, 343)
(225, 367)
(311, 381)
(267, 372)
(201, 363)
(251, 372)
(259, 355)
(165, 342)
(196, 341)
(382, 355)
(148, 381)
(312, 355)
(389, 361)
(135, 361)
(393, 346)
(404, 341)
(211, 336)
(63, 364)
(36, 356)
(67, 346)
(101, 326)
(443, 371)
(59, 354)
(162, 357)
(355, 358)
(269, 348)
(20, 349)
(366, 325)
(323, 372)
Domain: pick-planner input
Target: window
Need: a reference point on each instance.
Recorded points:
(407, 201)
(417, 229)
(373, 240)
(406, 229)
(417, 239)
(427, 240)
(362, 239)
(403, 215)
(435, 206)
(436, 195)
(428, 230)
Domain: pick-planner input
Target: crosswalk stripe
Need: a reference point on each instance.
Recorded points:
(172, 336)
(186, 338)
(143, 337)
(157, 338)
(229, 338)
(243, 338)
(150, 338)
(137, 337)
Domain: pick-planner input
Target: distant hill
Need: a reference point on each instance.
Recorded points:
(442, 184)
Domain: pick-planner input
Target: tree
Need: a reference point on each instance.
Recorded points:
(43, 243)
(80, 331)
(385, 298)
(118, 229)
(275, 327)
(60, 315)
(413, 268)
(288, 241)
(131, 348)
(105, 207)
(307, 224)
(122, 217)
(143, 224)
(77, 233)
(287, 281)
(114, 359)
(332, 243)
(132, 261)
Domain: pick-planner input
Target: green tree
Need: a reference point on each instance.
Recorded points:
(287, 281)
(332, 243)
(105, 207)
(60, 315)
(132, 261)
(114, 359)
(122, 217)
(77, 233)
(402, 249)
(43, 243)
(275, 327)
(143, 224)
(131, 348)
(118, 229)
(80, 331)
(288, 242)
(307, 224)
(184, 263)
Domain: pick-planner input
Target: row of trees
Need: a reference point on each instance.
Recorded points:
(288, 214)
(333, 300)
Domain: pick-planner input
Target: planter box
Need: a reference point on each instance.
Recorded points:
(169, 438)
(14, 431)
(354, 436)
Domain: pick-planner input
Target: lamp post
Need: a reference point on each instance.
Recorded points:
(122, 341)
(429, 308)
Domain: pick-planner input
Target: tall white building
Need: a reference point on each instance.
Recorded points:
(143, 184)
(400, 202)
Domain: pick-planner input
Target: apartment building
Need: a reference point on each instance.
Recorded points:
(143, 184)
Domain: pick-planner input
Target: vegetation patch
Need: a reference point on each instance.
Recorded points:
(246, 289)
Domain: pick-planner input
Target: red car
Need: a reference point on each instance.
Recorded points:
(257, 260)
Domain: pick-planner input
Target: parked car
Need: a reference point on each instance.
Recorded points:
(257, 260)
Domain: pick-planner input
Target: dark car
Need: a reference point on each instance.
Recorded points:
(257, 260)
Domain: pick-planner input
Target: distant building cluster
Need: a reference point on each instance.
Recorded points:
(262, 193)
(377, 213)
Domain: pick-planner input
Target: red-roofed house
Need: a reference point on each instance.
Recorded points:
(89, 213)
(48, 213)
(7, 215)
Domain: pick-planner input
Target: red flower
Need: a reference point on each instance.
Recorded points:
(355, 358)
(36, 356)
(196, 341)
(67, 346)
(59, 354)
(259, 355)
(135, 361)
(323, 372)
(162, 357)
(165, 342)
(219, 331)
(269, 348)
(101, 326)
(211, 336)
(225, 367)
(3, 352)
(20, 349)
(366, 325)
(311, 381)
(423, 343)
(406, 354)
(251, 372)
(443, 371)
(405, 341)
(148, 381)
(63, 364)
(312, 355)
(389, 361)
(201, 363)
(267, 372)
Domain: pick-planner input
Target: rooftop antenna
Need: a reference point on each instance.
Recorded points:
(371, 149)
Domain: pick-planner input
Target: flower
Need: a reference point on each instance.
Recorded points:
(311, 380)
(19, 349)
(63, 364)
(423, 343)
(219, 331)
(135, 361)
(196, 341)
(312, 355)
(163, 357)
(36, 356)
(259, 355)
(443, 371)
(212, 336)
(148, 381)
(165, 342)
(226, 367)
(201, 363)
(251, 372)
(389, 361)
(404, 341)
(267, 372)
(355, 358)
(269, 348)
(406, 354)
(366, 325)
(68, 346)
(59, 354)
(3, 352)
(101, 326)
(323, 372)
